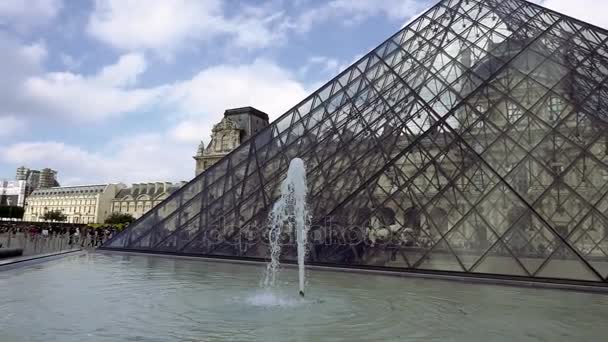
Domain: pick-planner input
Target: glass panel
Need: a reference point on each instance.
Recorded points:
(499, 260)
(565, 264)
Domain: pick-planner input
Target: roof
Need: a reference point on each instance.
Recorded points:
(143, 189)
(64, 190)
(246, 110)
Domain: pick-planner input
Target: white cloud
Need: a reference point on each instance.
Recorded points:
(394, 9)
(168, 25)
(10, 125)
(33, 152)
(24, 14)
(327, 64)
(353, 11)
(69, 61)
(125, 72)
(138, 158)
(192, 130)
(19, 61)
(113, 90)
(257, 27)
(151, 24)
(83, 98)
(261, 84)
(158, 155)
(78, 98)
(204, 98)
(28, 90)
(591, 11)
(165, 26)
(35, 53)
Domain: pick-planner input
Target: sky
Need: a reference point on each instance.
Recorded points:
(125, 90)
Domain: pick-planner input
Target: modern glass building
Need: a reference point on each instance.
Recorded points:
(472, 142)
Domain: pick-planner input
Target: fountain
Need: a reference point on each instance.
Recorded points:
(289, 212)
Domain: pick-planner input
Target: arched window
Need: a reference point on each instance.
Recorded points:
(225, 142)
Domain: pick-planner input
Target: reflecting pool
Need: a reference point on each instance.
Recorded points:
(113, 297)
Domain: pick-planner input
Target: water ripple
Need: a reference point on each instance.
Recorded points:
(99, 297)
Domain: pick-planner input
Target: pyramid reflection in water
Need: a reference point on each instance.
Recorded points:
(473, 140)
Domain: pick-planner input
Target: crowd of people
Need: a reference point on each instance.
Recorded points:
(75, 234)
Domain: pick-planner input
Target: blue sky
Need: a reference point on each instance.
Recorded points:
(123, 90)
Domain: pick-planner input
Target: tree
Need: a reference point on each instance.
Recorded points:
(54, 215)
(120, 218)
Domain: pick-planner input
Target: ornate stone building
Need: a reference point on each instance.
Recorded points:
(237, 125)
(141, 197)
(225, 137)
(81, 204)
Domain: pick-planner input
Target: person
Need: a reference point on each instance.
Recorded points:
(70, 236)
(76, 235)
(98, 238)
(84, 238)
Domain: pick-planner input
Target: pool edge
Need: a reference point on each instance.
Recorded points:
(498, 280)
(23, 261)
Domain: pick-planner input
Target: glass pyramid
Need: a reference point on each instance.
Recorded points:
(473, 140)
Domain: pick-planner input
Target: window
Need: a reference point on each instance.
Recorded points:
(513, 112)
(225, 142)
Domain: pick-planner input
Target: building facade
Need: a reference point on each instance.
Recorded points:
(81, 204)
(12, 193)
(237, 126)
(37, 179)
(139, 198)
(48, 178)
(22, 173)
(248, 120)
